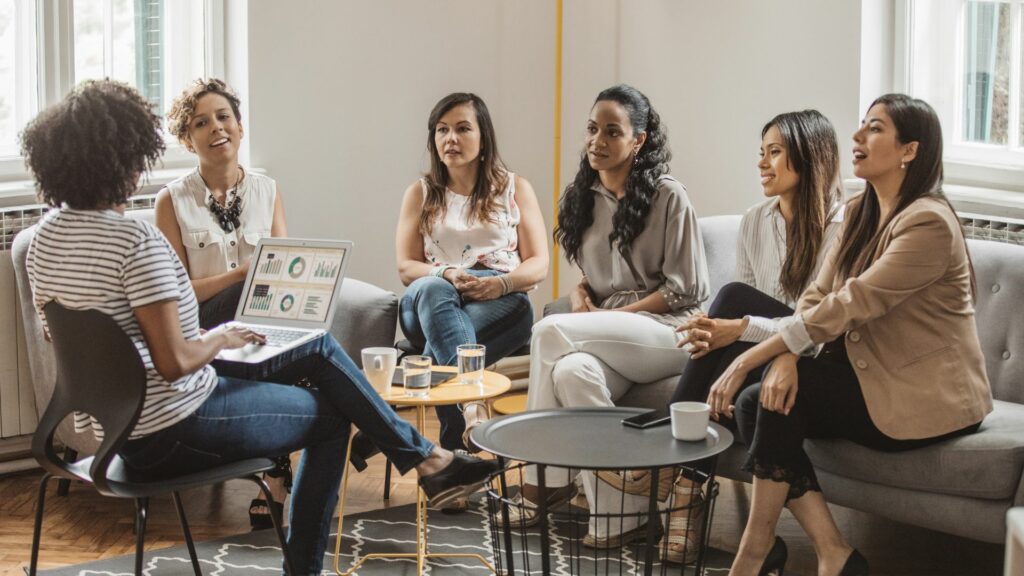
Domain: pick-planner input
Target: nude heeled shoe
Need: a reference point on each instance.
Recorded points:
(638, 482)
(681, 542)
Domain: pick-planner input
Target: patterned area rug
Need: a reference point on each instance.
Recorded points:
(386, 530)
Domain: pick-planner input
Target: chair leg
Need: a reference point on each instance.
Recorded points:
(141, 507)
(37, 530)
(64, 484)
(387, 480)
(188, 534)
(288, 570)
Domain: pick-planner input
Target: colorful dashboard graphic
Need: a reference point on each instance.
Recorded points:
(294, 283)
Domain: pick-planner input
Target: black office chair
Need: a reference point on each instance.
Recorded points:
(99, 372)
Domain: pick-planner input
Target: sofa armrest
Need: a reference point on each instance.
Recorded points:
(367, 316)
(559, 306)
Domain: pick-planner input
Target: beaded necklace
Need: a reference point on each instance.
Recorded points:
(228, 216)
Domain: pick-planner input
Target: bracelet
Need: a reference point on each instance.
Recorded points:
(506, 284)
(440, 270)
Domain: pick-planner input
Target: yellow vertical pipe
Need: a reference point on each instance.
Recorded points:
(557, 188)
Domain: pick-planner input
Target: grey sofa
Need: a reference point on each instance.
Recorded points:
(366, 316)
(964, 486)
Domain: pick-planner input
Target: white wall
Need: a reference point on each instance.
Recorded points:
(339, 94)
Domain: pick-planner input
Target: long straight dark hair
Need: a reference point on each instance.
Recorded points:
(813, 154)
(491, 178)
(576, 209)
(915, 121)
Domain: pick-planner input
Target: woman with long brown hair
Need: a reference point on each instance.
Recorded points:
(781, 245)
(470, 243)
(900, 364)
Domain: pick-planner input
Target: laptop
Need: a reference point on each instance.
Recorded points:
(290, 294)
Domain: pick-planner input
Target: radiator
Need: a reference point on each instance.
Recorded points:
(995, 228)
(18, 415)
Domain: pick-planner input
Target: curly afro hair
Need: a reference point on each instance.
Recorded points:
(89, 150)
(184, 106)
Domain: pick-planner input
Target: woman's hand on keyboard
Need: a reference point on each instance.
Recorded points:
(236, 337)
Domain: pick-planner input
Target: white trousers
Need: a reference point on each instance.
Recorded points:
(593, 359)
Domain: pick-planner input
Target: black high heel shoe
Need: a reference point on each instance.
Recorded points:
(856, 565)
(262, 520)
(775, 561)
(362, 450)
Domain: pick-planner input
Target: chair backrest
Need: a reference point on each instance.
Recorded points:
(100, 373)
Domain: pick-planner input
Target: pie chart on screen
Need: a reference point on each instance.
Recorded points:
(287, 302)
(296, 267)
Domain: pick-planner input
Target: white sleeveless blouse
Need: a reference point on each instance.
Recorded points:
(209, 248)
(457, 240)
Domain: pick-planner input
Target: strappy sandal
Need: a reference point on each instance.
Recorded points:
(262, 520)
(471, 446)
(681, 542)
(638, 482)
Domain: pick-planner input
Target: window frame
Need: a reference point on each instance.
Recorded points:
(55, 76)
(971, 164)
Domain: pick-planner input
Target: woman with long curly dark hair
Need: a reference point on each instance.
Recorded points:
(631, 229)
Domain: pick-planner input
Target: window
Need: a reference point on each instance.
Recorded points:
(47, 47)
(965, 58)
(17, 70)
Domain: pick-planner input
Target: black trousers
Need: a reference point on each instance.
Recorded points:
(829, 402)
(221, 307)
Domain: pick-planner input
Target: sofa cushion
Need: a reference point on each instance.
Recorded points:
(986, 465)
(999, 272)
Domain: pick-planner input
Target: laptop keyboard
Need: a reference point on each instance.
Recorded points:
(282, 336)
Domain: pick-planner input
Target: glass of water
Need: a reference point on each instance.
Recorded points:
(471, 363)
(416, 375)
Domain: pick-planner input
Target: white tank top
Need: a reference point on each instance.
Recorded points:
(209, 248)
(457, 240)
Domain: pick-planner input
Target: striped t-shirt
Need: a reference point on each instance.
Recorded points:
(101, 260)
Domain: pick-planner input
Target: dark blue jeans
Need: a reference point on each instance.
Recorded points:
(250, 414)
(433, 315)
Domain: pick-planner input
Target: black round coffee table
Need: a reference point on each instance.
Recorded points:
(595, 439)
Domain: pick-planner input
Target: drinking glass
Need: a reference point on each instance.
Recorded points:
(379, 368)
(471, 363)
(416, 375)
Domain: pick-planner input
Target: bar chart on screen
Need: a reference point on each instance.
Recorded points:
(260, 301)
(270, 265)
(325, 268)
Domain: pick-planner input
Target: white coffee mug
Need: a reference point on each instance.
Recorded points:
(379, 367)
(690, 420)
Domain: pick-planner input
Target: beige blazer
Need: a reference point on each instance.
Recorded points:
(909, 327)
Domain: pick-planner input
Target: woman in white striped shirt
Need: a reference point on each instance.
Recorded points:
(781, 245)
(87, 255)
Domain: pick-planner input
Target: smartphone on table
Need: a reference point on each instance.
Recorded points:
(648, 419)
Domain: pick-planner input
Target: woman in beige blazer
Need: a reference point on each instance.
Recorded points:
(899, 366)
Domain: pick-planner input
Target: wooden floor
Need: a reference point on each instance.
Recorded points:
(86, 527)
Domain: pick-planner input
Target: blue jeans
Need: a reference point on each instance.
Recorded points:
(433, 314)
(250, 414)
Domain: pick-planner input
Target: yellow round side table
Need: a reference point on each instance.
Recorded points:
(511, 404)
(446, 393)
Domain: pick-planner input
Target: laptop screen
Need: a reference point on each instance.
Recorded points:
(293, 282)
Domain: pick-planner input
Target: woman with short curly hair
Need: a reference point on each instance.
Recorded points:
(631, 229)
(216, 214)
